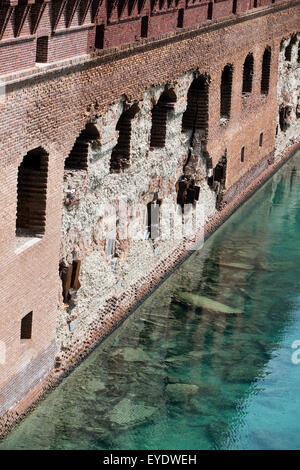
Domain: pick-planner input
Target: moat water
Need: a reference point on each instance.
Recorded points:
(181, 373)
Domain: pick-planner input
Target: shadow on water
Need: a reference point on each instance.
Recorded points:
(205, 362)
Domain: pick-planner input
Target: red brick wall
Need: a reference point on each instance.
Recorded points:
(122, 26)
(65, 44)
(17, 55)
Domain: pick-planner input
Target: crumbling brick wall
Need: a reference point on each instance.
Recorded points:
(49, 109)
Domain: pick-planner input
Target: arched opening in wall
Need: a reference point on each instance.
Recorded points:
(248, 74)
(26, 326)
(120, 157)
(196, 113)
(78, 157)
(32, 194)
(289, 48)
(160, 118)
(210, 11)
(220, 171)
(243, 154)
(226, 88)
(265, 71)
(218, 179)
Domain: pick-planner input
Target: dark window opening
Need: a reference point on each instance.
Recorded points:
(32, 194)
(289, 48)
(255, 4)
(284, 117)
(42, 49)
(234, 5)
(187, 192)
(144, 26)
(70, 280)
(265, 72)
(261, 137)
(210, 11)
(160, 118)
(180, 18)
(99, 36)
(226, 88)
(248, 74)
(153, 218)
(196, 113)
(26, 326)
(120, 157)
(242, 154)
(78, 157)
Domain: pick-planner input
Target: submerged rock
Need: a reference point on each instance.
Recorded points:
(126, 413)
(179, 392)
(207, 303)
(132, 354)
(242, 266)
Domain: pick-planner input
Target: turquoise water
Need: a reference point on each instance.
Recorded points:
(179, 373)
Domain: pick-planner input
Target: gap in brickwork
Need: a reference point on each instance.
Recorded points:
(218, 179)
(196, 113)
(242, 154)
(120, 157)
(42, 49)
(32, 194)
(26, 326)
(78, 157)
(265, 71)
(226, 88)
(248, 74)
(180, 18)
(99, 36)
(159, 118)
(144, 26)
